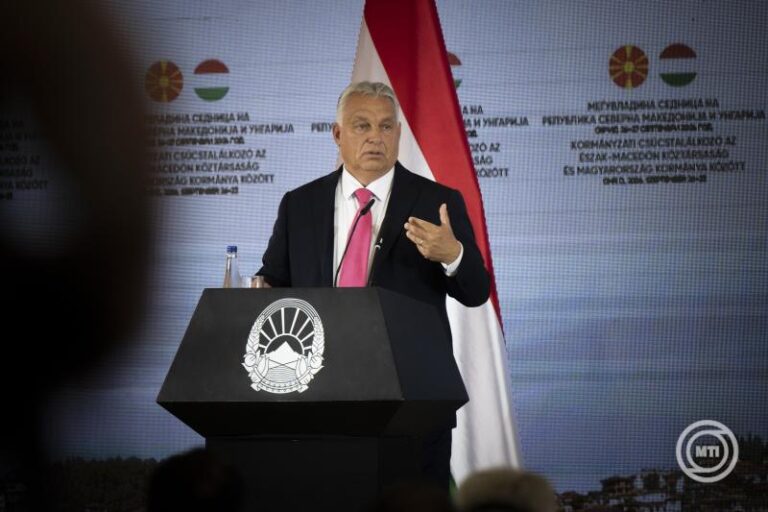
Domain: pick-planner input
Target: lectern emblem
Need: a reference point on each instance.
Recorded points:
(285, 347)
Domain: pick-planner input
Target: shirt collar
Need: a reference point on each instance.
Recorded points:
(380, 187)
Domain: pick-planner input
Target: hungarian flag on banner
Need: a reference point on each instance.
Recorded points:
(401, 44)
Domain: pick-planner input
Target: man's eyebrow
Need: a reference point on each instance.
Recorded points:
(363, 117)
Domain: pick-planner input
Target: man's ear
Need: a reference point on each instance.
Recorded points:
(336, 131)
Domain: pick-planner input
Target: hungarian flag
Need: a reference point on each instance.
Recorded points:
(677, 63)
(401, 44)
(213, 72)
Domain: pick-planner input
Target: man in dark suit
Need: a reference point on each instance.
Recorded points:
(421, 240)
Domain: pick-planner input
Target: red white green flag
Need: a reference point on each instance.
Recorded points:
(678, 65)
(210, 76)
(401, 44)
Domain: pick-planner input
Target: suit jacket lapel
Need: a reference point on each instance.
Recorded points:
(326, 201)
(401, 201)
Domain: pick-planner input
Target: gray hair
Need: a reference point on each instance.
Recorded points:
(506, 489)
(371, 89)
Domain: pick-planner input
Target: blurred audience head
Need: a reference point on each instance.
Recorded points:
(74, 247)
(506, 490)
(196, 481)
(74, 254)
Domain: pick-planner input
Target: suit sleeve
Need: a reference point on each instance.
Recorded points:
(276, 267)
(471, 285)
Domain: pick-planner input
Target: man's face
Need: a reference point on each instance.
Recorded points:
(368, 137)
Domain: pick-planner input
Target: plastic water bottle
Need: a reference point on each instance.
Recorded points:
(231, 271)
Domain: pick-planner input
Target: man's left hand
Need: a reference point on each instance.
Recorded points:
(436, 243)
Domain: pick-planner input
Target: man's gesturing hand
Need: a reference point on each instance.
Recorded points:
(436, 243)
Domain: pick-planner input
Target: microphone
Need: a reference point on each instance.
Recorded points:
(365, 209)
(376, 248)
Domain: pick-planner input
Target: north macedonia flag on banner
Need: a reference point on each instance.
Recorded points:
(401, 44)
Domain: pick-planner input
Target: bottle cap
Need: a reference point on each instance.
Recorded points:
(231, 248)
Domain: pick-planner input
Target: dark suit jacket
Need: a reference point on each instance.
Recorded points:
(300, 251)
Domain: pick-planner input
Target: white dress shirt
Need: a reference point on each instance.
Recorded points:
(345, 208)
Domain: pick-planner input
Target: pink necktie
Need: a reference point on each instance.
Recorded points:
(355, 267)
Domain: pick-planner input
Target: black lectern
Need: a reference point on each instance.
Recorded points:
(318, 396)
